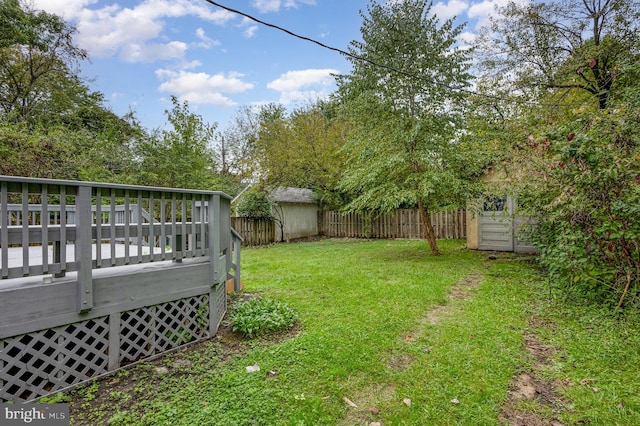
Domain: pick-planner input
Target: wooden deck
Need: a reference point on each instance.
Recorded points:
(96, 276)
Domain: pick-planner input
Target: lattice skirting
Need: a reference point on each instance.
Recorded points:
(39, 363)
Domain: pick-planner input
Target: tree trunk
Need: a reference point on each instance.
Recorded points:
(425, 218)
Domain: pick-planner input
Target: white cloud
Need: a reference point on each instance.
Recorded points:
(152, 52)
(131, 32)
(303, 85)
(449, 10)
(483, 10)
(206, 42)
(249, 26)
(467, 39)
(202, 88)
(250, 31)
(294, 3)
(65, 8)
(267, 6)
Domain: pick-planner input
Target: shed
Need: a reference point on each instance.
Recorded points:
(493, 223)
(297, 212)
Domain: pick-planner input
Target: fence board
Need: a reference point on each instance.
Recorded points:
(401, 223)
(254, 232)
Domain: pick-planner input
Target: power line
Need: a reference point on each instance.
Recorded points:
(369, 61)
(335, 49)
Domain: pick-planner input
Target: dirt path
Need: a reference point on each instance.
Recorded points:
(532, 400)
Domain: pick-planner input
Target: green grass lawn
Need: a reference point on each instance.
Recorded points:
(378, 327)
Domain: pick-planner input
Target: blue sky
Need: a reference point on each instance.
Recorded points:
(144, 51)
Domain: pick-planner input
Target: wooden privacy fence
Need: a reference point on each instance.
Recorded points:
(91, 281)
(254, 232)
(401, 223)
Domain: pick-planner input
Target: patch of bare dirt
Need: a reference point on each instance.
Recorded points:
(461, 290)
(367, 403)
(529, 387)
(400, 362)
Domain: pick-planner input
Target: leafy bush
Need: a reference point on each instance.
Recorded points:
(257, 317)
(255, 203)
(586, 195)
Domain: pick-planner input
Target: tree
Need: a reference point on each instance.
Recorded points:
(255, 203)
(302, 148)
(237, 144)
(403, 99)
(574, 138)
(181, 157)
(563, 46)
(38, 63)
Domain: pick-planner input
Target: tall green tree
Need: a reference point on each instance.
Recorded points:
(237, 143)
(403, 99)
(38, 63)
(303, 148)
(181, 156)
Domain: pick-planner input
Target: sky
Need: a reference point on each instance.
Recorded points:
(142, 52)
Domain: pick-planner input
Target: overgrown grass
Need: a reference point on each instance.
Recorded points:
(366, 335)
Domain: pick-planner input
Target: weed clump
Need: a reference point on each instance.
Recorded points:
(261, 316)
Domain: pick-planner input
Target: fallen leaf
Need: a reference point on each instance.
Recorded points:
(375, 410)
(407, 402)
(375, 424)
(349, 402)
(620, 406)
(587, 381)
(595, 389)
(455, 401)
(426, 349)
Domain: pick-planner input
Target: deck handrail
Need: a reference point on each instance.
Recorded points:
(175, 224)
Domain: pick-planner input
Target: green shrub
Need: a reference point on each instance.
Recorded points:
(586, 196)
(255, 203)
(257, 317)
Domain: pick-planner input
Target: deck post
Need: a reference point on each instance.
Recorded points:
(114, 341)
(84, 222)
(236, 265)
(214, 238)
(224, 229)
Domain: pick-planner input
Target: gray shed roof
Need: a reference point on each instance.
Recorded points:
(286, 194)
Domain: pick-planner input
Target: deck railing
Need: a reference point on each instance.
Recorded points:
(95, 276)
(56, 226)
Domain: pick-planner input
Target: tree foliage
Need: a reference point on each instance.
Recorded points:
(182, 155)
(406, 114)
(255, 203)
(565, 45)
(38, 63)
(302, 148)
